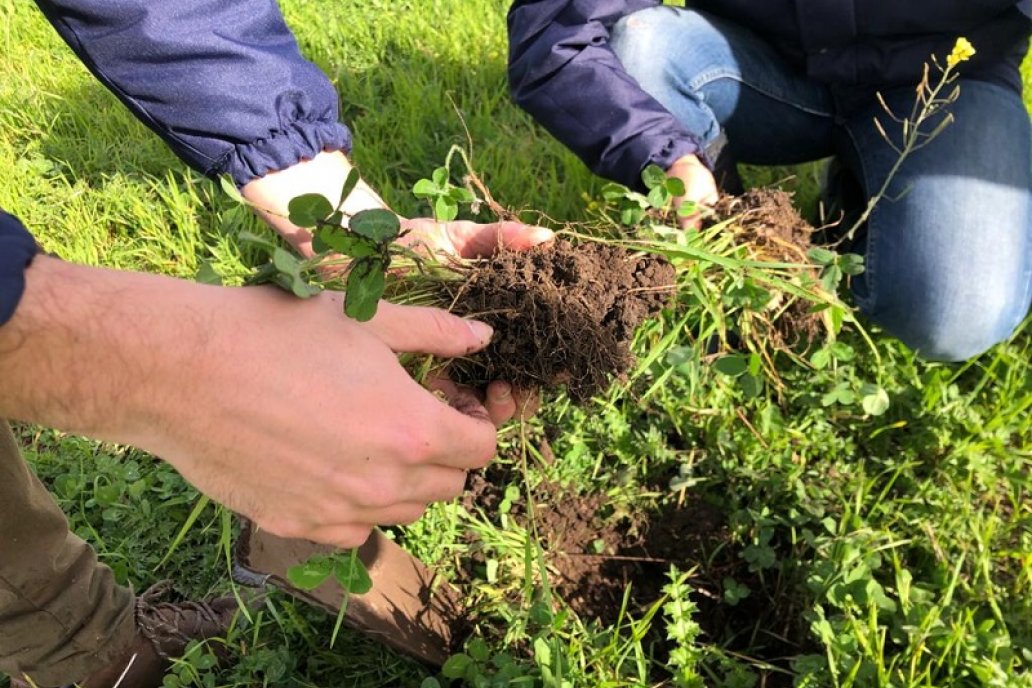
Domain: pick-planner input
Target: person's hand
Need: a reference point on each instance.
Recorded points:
(326, 173)
(281, 409)
(465, 239)
(501, 400)
(307, 424)
(700, 188)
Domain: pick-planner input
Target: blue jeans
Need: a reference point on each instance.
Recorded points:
(948, 249)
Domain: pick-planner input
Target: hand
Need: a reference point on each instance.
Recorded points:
(281, 409)
(325, 174)
(332, 436)
(471, 240)
(501, 400)
(700, 188)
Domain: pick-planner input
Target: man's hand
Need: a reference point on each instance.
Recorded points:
(700, 187)
(283, 410)
(325, 174)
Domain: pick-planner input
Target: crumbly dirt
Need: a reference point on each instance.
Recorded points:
(563, 314)
(596, 551)
(770, 226)
(768, 222)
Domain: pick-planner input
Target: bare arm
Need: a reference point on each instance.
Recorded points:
(281, 409)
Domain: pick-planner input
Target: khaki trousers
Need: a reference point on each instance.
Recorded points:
(62, 616)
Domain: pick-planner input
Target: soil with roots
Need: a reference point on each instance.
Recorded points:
(770, 227)
(564, 315)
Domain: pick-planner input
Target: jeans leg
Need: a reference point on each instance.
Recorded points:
(717, 77)
(949, 247)
(62, 616)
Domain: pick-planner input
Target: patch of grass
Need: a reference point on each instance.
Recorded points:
(856, 549)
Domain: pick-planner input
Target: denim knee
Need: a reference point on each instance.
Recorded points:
(640, 40)
(672, 52)
(939, 329)
(951, 339)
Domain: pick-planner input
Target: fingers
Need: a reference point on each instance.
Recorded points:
(528, 403)
(352, 535)
(346, 536)
(473, 240)
(700, 188)
(464, 425)
(500, 403)
(463, 435)
(504, 402)
(462, 399)
(391, 498)
(414, 329)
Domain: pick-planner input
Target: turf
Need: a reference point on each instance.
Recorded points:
(894, 549)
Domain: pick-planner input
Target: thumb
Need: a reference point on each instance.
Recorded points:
(416, 329)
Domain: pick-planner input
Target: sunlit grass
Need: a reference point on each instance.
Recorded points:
(927, 506)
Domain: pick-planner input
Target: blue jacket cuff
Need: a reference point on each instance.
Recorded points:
(17, 249)
(285, 148)
(674, 150)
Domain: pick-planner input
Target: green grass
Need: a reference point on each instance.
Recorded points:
(894, 549)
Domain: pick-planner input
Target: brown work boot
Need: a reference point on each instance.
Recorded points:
(164, 629)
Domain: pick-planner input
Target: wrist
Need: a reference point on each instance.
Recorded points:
(687, 162)
(325, 175)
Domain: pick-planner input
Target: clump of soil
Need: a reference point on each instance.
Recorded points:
(768, 222)
(769, 226)
(563, 314)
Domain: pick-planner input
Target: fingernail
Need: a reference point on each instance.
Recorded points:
(540, 235)
(481, 330)
(501, 392)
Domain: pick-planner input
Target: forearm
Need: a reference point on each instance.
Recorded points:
(90, 350)
(269, 404)
(324, 174)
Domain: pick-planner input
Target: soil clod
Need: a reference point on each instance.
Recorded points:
(770, 226)
(563, 314)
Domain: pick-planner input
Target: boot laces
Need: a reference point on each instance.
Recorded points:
(175, 624)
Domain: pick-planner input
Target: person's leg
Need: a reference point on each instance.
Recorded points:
(719, 79)
(949, 247)
(62, 616)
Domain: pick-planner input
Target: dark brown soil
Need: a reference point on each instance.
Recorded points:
(770, 226)
(563, 314)
(596, 552)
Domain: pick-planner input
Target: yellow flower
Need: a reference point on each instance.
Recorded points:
(962, 52)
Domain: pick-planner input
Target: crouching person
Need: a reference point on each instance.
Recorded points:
(948, 249)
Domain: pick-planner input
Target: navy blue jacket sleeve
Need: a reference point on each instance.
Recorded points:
(17, 249)
(562, 71)
(221, 81)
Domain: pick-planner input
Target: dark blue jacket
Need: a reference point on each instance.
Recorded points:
(562, 71)
(221, 81)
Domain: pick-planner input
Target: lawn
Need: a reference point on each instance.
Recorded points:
(775, 533)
